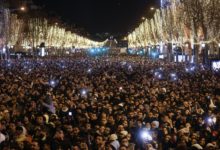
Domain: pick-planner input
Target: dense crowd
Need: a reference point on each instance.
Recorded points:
(108, 103)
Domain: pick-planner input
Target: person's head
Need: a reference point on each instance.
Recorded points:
(202, 142)
(120, 128)
(140, 115)
(125, 141)
(69, 128)
(76, 131)
(111, 120)
(150, 115)
(102, 129)
(87, 126)
(193, 141)
(93, 116)
(40, 120)
(99, 140)
(125, 123)
(131, 114)
(26, 120)
(75, 147)
(12, 127)
(103, 121)
(19, 130)
(83, 146)
(155, 124)
(46, 146)
(35, 145)
(59, 134)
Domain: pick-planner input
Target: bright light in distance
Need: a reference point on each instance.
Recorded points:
(22, 8)
(159, 76)
(216, 65)
(63, 66)
(4, 50)
(156, 73)
(42, 51)
(192, 68)
(120, 88)
(202, 67)
(154, 54)
(146, 136)
(70, 113)
(173, 75)
(83, 92)
(152, 8)
(219, 45)
(210, 120)
(52, 83)
(203, 45)
(92, 50)
(9, 65)
(89, 70)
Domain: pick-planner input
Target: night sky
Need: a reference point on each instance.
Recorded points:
(101, 16)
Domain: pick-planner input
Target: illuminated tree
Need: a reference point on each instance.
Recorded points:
(16, 28)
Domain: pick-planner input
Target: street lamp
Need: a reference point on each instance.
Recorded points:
(22, 8)
(205, 53)
(219, 50)
(152, 8)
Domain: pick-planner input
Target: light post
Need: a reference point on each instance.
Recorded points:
(174, 51)
(219, 50)
(204, 53)
(152, 8)
(184, 53)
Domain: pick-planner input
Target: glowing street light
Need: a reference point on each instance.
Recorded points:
(152, 8)
(22, 8)
(218, 50)
(89, 70)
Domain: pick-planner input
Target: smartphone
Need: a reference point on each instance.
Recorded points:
(70, 113)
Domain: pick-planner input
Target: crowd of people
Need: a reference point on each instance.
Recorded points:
(108, 103)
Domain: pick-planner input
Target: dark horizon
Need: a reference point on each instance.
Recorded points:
(116, 17)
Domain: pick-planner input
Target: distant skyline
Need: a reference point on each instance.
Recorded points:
(101, 16)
